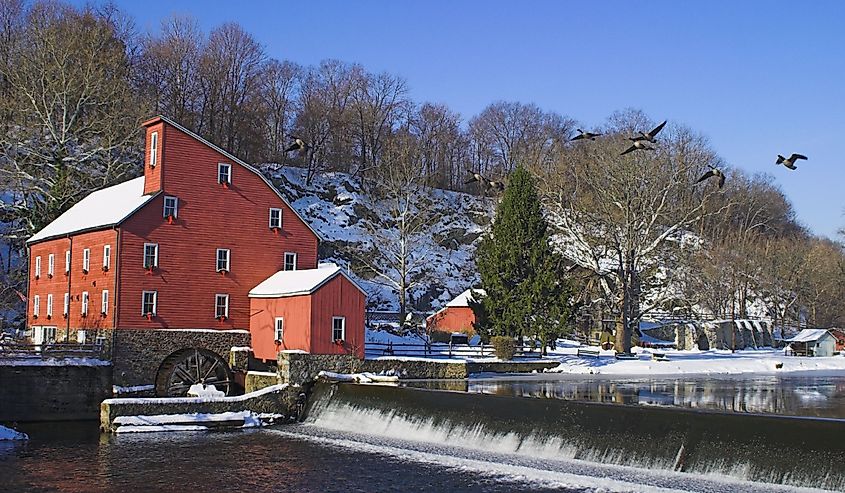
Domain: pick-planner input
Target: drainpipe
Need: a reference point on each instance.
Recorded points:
(69, 298)
(116, 289)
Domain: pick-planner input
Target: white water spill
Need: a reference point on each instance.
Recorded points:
(525, 471)
(546, 457)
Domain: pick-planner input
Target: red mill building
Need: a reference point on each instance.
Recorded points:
(160, 269)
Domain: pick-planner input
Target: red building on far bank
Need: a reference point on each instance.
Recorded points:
(456, 316)
(179, 248)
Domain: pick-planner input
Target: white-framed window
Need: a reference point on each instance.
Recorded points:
(81, 337)
(275, 218)
(279, 329)
(171, 206)
(86, 259)
(221, 306)
(67, 261)
(66, 309)
(51, 265)
(338, 328)
(104, 309)
(224, 173)
(290, 261)
(150, 255)
(149, 302)
(223, 255)
(38, 267)
(36, 305)
(85, 302)
(43, 335)
(49, 305)
(106, 257)
(153, 149)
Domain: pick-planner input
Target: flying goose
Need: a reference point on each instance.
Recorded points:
(713, 172)
(649, 137)
(475, 177)
(790, 161)
(495, 185)
(638, 145)
(297, 145)
(584, 135)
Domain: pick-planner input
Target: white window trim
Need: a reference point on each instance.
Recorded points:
(270, 218)
(85, 300)
(153, 149)
(343, 328)
(86, 260)
(51, 265)
(66, 305)
(67, 261)
(104, 306)
(285, 262)
(81, 337)
(155, 302)
(220, 167)
(49, 305)
(175, 206)
(278, 335)
(228, 267)
(36, 305)
(226, 306)
(106, 257)
(38, 266)
(155, 257)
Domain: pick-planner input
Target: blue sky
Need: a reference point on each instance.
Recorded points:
(757, 78)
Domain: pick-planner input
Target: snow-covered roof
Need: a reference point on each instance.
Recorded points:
(99, 209)
(298, 282)
(809, 335)
(463, 299)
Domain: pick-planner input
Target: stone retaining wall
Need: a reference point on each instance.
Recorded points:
(66, 390)
(279, 399)
(137, 354)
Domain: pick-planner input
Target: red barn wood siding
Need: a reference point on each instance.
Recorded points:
(153, 175)
(337, 298)
(94, 282)
(452, 319)
(296, 310)
(209, 217)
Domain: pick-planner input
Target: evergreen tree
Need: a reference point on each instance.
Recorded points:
(526, 293)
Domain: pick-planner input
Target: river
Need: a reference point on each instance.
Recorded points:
(375, 438)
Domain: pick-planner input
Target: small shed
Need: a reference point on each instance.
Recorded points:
(320, 311)
(456, 316)
(813, 342)
(839, 334)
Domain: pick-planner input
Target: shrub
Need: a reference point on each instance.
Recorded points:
(439, 336)
(504, 346)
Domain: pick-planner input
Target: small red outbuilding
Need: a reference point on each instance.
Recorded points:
(320, 311)
(456, 316)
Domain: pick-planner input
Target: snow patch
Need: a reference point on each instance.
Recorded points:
(10, 434)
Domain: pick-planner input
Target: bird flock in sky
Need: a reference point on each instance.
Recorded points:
(639, 142)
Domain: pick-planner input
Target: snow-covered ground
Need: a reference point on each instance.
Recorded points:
(10, 434)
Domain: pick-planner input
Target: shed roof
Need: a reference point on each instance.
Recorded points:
(106, 207)
(463, 299)
(809, 335)
(298, 282)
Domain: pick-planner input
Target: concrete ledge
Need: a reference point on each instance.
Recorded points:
(276, 399)
(405, 368)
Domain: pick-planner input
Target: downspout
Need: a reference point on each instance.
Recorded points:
(116, 289)
(69, 297)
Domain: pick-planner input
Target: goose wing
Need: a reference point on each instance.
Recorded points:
(630, 149)
(293, 147)
(797, 156)
(721, 180)
(656, 130)
(707, 175)
(579, 137)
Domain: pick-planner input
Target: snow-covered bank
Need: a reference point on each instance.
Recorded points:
(712, 362)
(10, 434)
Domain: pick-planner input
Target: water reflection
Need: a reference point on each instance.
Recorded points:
(792, 396)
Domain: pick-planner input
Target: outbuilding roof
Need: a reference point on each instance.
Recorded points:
(463, 299)
(809, 335)
(298, 282)
(103, 208)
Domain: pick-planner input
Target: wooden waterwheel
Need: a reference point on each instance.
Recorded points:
(188, 367)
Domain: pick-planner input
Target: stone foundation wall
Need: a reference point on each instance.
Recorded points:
(137, 354)
(65, 390)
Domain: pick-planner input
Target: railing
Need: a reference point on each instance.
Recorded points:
(15, 350)
(442, 350)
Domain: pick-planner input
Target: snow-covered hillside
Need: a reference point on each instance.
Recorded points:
(343, 215)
